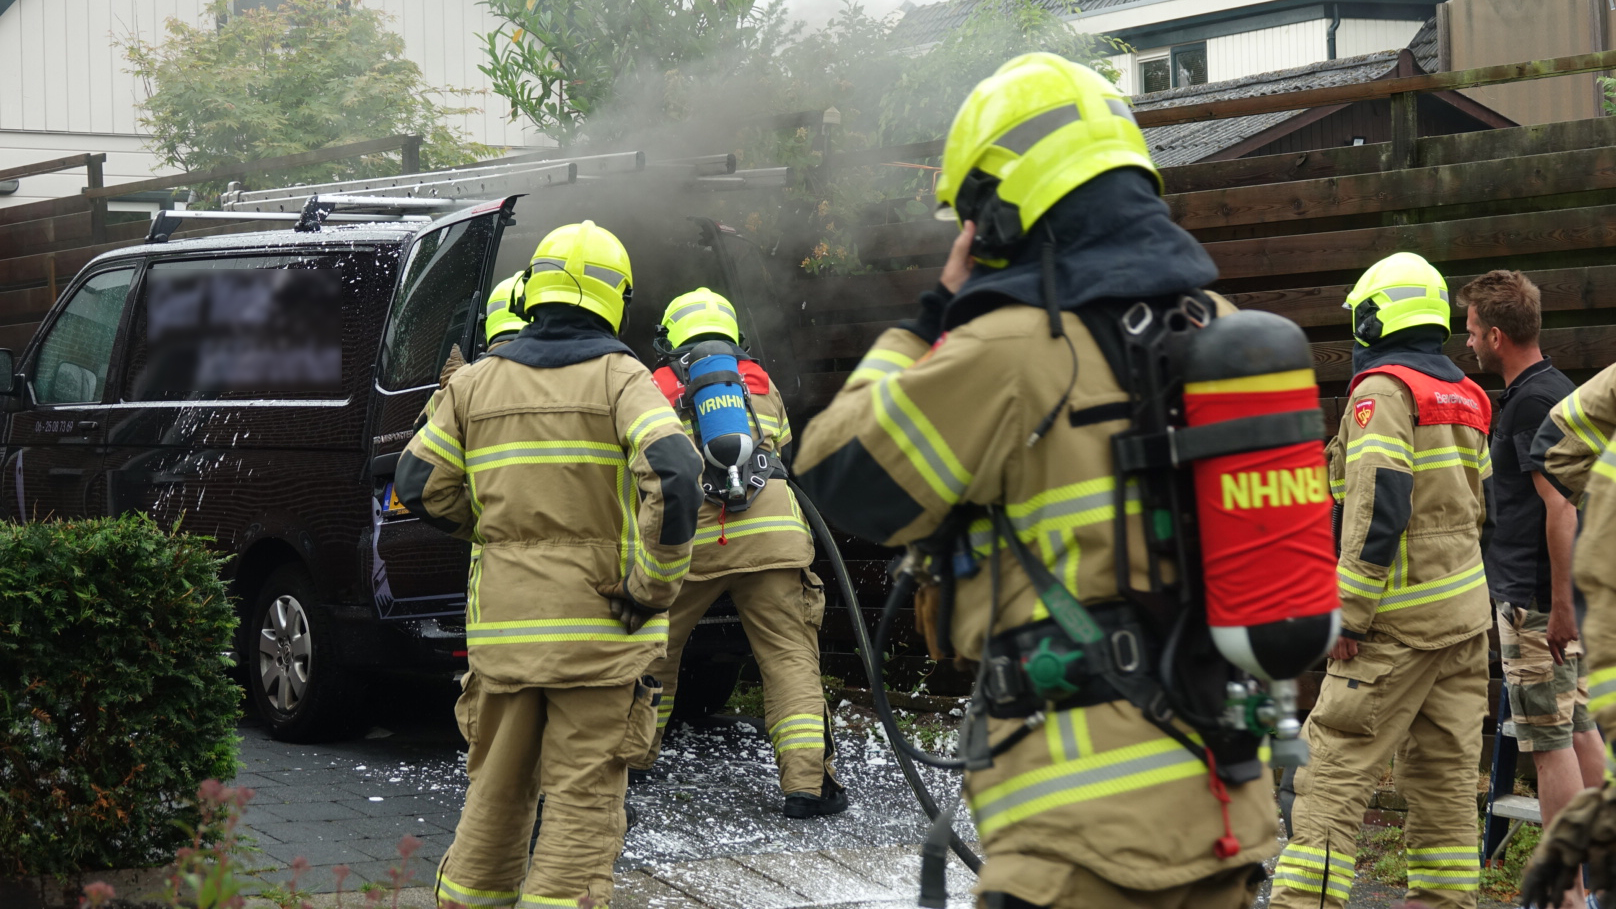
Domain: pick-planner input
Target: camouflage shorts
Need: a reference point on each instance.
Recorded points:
(1548, 702)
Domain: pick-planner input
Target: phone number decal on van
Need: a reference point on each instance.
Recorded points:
(53, 426)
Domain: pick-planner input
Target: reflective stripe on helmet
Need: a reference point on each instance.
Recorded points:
(1026, 134)
(1394, 294)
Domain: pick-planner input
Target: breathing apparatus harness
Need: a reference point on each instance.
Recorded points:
(717, 378)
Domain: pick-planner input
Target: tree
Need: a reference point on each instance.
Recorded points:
(301, 75)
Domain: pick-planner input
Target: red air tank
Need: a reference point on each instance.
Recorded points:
(1267, 551)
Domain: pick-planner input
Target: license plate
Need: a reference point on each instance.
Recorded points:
(394, 506)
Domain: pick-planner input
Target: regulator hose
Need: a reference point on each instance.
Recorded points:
(878, 691)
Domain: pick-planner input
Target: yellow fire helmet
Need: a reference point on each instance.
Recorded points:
(1035, 130)
(700, 312)
(585, 265)
(1400, 291)
(501, 320)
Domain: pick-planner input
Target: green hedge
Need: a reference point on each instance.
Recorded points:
(115, 703)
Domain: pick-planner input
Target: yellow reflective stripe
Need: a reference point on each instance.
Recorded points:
(555, 451)
(471, 897)
(1085, 779)
(1307, 868)
(532, 902)
(1433, 458)
(878, 364)
(798, 731)
(546, 631)
(1354, 583)
(1431, 591)
(648, 421)
(749, 527)
(1068, 733)
(1394, 448)
(1444, 868)
(1580, 424)
(919, 441)
(796, 720)
(1601, 689)
(662, 571)
(1606, 465)
(1274, 381)
(444, 445)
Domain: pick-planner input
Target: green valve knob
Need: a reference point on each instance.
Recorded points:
(1047, 671)
(1163, 519)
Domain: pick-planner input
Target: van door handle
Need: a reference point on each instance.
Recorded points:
(86, 426)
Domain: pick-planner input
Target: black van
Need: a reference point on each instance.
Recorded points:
(258, 387)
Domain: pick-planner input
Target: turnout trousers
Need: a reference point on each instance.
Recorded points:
(781, 610)
(573, 745)
(1425, 709)
(1233, 889)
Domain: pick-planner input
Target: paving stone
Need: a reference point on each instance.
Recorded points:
(724, 883)
(255, 781)
(338, 852)
(638, 890)
(898, 868)
(275, 832)
(409, 805)
(395, 826)
(815, 875)
(307, 811)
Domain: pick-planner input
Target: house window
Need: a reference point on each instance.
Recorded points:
(1155, 75)
(1189, 65)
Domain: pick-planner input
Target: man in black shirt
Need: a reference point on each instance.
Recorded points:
(1529, 559)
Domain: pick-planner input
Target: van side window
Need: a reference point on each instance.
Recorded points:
(73, 360)
(441, 281)
(235, 328)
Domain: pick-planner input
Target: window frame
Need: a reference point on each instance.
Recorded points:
(1154, 57)
(402, 294)
(30, 360)
(1176, 51)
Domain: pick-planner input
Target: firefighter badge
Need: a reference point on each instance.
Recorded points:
(1363, 412)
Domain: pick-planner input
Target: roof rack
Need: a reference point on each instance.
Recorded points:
(317, 210)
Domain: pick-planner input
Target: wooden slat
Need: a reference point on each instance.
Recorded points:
(855, 292)
(905, 239)
(30, 305)
(49, 208)
(829, 342)
(1376, 90)
(51, 167)
(1399, 190)
(1441, 242)
(1562, 289)
(27, 237)
(270, 165)
(15, 337)
(1429, 151)
(27, 271)
(1587, 347)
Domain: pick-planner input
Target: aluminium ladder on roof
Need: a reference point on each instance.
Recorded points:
(449, 190)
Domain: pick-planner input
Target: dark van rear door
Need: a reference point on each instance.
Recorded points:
(417, 571)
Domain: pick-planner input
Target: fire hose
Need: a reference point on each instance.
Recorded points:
(905, 751)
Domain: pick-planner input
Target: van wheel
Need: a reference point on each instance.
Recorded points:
(299, 689)
(705, 687)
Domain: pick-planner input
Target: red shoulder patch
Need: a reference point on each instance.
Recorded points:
(757, 381)
(1363, 412)
(669, 384)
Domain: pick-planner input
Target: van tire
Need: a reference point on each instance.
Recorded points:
(705, 686)
(299, 688)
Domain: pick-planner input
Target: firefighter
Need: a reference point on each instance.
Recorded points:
(1576, 433)
(559, 458)
(1408, 677)
(1585, 830)
(973, 403)
(760, 557)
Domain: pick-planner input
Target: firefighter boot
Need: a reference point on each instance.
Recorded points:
(831, 799)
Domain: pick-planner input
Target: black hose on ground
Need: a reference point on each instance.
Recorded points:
(878, 691)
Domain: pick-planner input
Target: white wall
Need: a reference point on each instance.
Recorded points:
(1265, 50)
(1366, 36)
(64, 89)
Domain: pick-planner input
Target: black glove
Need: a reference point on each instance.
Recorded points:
(625, 609)
(929, 323)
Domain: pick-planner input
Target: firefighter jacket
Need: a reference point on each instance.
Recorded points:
(1595, 573)
(919, 431)
(1411, 467)
(1576, 434)
(771, 533)
(560, 459)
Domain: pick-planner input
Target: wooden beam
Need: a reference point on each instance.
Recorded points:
(265, 165)
(1563, 289)
(932, 148)
(47, 208)
(51, 167)
(1586, 347)
(906, 239)
(820, 296)
(1399, 190)
(1431, 151)
(1441, 242)
(1378, 89)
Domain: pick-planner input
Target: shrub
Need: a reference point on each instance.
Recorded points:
(115, 703)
